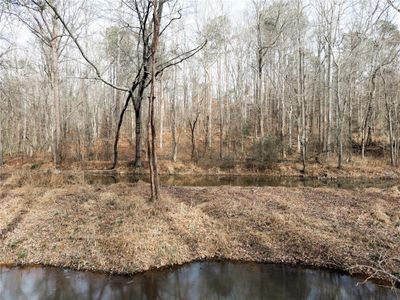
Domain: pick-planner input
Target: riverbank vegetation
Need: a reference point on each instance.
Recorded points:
(64, 222)
(369, 168)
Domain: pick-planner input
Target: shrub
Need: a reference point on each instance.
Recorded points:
(227, 163)
(265, 152)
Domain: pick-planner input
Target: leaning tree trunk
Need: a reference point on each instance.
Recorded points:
(138, 130)
(117, 134)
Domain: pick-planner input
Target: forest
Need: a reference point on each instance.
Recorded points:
(173, 136)
(271, 80)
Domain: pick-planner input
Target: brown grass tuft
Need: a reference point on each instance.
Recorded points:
(43, 178)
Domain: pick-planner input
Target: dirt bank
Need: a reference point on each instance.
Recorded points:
(115, 229)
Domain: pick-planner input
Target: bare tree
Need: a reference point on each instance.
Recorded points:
(151, 130)
(319, 75)
(136, 93)
(44, 24)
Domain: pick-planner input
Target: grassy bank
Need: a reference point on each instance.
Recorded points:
(44, 220)
(370, 167)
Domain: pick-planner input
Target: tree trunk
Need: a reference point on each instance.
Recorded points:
(338, 112)
(303, 115)
(209, 113)
(340, 150)
(151, 129)
(138, 137)
(174, 143)
(283, 119)
(395, 133)
(365, 126)
(193, 138)
(259, 98)
(321, 97)
(221, 111)
(352, 94)
(290, 126)
(161, 113)
(1, 145)
(301, 90)
(329, 96)
(55, 82)
(389, 117)
(121, 118)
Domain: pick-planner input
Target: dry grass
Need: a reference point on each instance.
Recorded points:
(40, 178)
(115, 228)
(371, 167)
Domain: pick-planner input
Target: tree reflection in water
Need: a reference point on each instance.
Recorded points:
(209, 280)
(243, 180)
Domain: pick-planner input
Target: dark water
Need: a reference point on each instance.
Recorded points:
(240, 180)
(260, 180)
(195, 281)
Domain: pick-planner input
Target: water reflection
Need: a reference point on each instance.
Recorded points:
(261, 180)
(107, 178)
(194, 281)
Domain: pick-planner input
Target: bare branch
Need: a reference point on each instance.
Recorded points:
(171, 21)
(180, 58)
(98, 74)
(392, 5)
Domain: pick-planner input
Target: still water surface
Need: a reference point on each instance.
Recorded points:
(243, 180)
(206, 280)
(106, 178)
